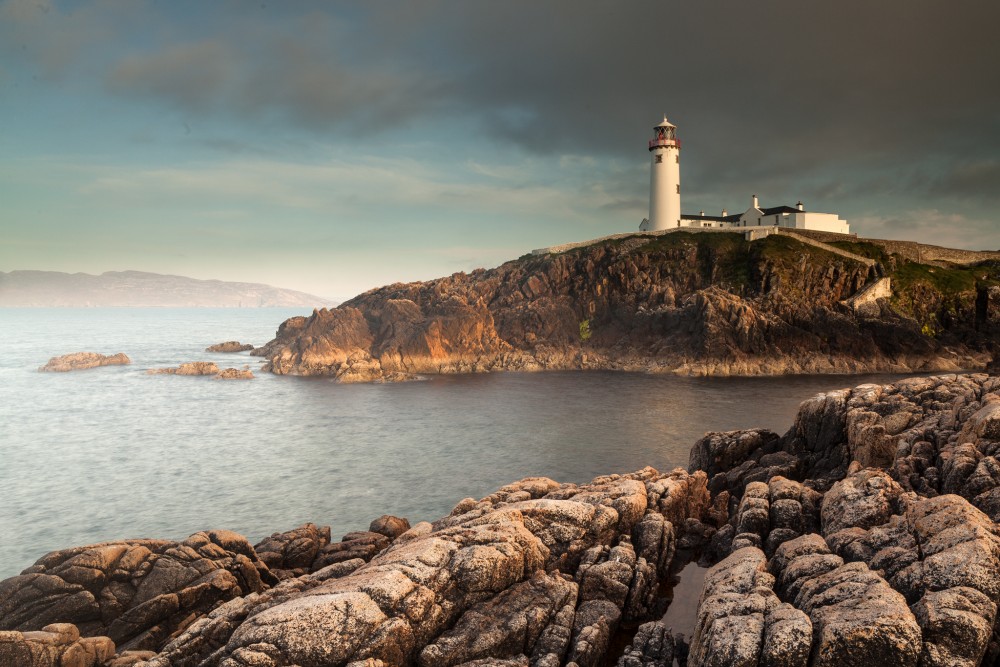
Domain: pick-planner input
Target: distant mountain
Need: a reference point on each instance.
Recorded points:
(138, 288)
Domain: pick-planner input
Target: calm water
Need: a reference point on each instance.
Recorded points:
(112, 452)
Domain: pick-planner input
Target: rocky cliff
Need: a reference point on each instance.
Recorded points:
(866, 535)
(701, 304)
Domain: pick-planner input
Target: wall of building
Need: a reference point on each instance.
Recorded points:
(664, 188)
(822, 222)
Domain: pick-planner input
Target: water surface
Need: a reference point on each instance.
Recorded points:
(112, 452)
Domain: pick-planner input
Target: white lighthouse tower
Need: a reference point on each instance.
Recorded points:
(664, 178)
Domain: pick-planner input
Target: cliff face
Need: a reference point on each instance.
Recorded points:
(706, 304)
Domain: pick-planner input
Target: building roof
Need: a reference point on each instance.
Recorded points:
(665, 123)
(779, 209)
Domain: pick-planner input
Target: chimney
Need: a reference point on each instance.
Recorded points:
(701, 212)
(799, 206)
(724, 213)
(755, 201)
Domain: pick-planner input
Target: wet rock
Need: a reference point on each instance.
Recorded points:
(84, 360)
(188, 368)
(235, 374)
(229, 346)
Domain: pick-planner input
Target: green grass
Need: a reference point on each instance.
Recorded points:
(948, 281)
(863, 248)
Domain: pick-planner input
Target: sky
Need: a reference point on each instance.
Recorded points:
(332, 147)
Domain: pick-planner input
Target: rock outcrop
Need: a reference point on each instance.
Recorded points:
(136, 592)
(882, 544)
(726, 306)
(537, 573)
(83, 360)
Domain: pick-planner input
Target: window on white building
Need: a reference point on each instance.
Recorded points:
(659, 159)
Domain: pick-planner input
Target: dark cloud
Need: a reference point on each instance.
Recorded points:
(792, 99)
(978, 178)
(770, 84)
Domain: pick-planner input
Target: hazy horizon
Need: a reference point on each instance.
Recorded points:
(332, 148)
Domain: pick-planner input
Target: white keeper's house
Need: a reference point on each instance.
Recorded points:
(665, 198)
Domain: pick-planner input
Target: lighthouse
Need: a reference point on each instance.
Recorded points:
(664, 177)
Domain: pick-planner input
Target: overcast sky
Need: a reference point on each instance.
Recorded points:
(334, 147)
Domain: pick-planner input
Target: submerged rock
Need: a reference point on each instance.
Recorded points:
(188, 368)
(234, 374)
(229, 346)
(205, 368)
(83, 360)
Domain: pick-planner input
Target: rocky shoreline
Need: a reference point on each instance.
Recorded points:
(867, 534)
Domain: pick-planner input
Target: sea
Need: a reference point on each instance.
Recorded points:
(114, 452)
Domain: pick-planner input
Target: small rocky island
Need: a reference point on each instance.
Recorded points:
(709, 303)
(78, 361)
(865, 535)
(209, 368)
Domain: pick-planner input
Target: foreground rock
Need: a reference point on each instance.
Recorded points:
(229, 346)
(136, 592)
(537, 573)
(887, 556)
(881, 544)
(83, 360)
(56, 645)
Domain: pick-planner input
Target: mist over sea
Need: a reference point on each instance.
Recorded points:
(114, 453)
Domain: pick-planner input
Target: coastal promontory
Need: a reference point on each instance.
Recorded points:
(683, 302)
